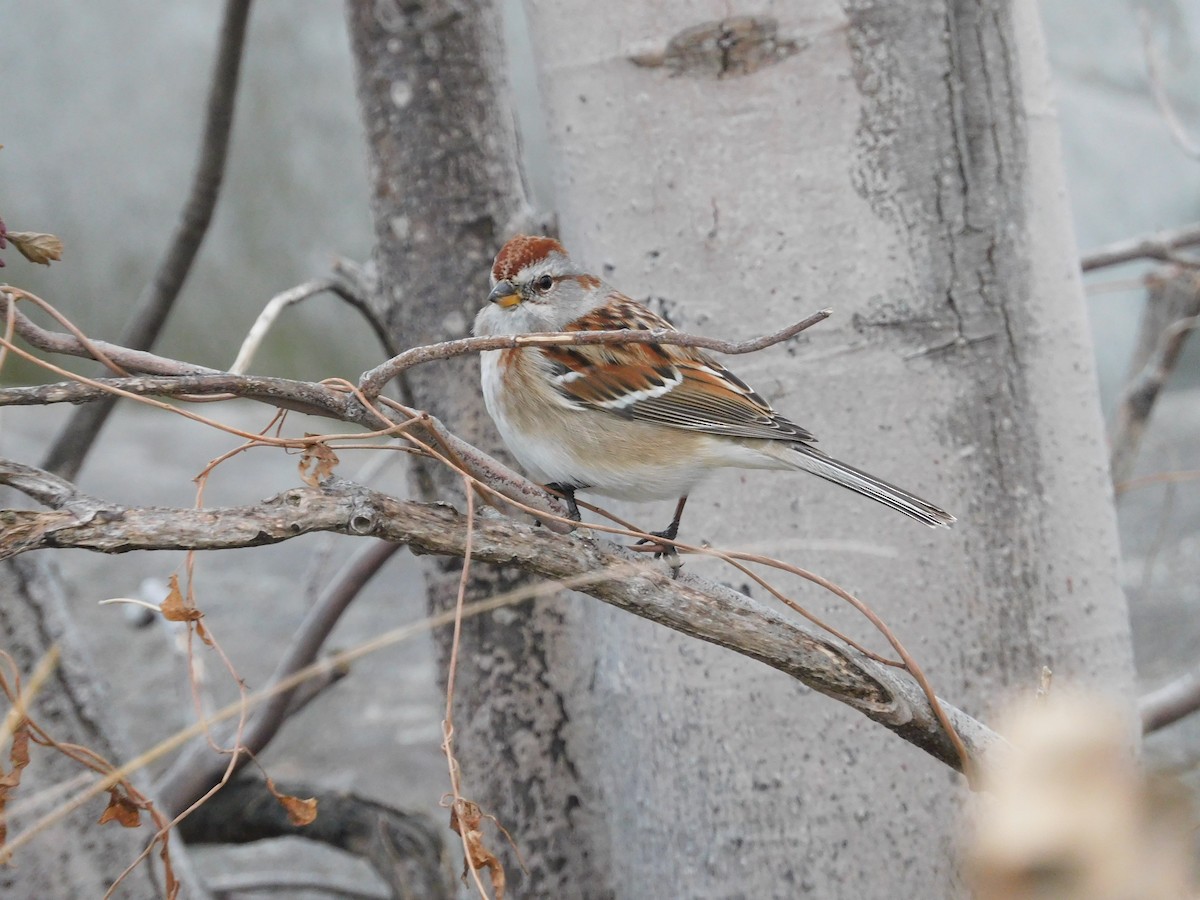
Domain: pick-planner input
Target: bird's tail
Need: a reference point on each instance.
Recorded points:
(812, 460)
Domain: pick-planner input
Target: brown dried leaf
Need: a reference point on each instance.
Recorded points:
(19, 754)
(121, 810)
(175, 608)
(202, 633)
(19, 757)
(299, 812)
(317, 463)
(464, 813)
(37, 247)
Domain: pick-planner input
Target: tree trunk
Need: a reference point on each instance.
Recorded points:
(446, 193)
(894, 161)
(76, 857)
(898, 162)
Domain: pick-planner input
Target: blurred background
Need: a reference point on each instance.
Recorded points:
(100, 124)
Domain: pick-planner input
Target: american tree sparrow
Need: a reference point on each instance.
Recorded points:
(631, 421)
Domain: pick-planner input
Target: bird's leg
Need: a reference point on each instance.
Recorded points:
(670, 532)
(568, 493)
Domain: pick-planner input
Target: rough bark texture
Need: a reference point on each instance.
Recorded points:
(899, 162)
(446, 194)
(77, 857)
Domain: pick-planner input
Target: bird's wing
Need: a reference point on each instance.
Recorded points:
(680, 387)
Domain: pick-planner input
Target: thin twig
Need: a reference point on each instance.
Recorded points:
(1140, 394)
(19, 710)
(1175, 700)
(1158, 90)
(373, 381)
(274, 308)
(1159, 246)
(1145, 481)
(77, 436)
(335, 285)
(460, 600)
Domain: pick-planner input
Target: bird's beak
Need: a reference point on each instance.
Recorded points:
(504, 295)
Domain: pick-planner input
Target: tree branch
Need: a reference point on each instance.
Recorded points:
(1173, 701)
(1160, 246)
(1171, 314)
(1158, 90)
(372, 382)
(77, 436)
(693, 606)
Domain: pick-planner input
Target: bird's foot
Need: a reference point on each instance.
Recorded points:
(568, 494)
(661, 550)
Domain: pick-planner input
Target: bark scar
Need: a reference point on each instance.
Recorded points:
(738, 45)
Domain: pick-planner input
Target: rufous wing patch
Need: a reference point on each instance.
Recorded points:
(681, 387)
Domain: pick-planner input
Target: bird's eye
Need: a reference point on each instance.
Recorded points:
(544, 283)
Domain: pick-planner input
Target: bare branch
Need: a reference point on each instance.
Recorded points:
(1173, 701)
(691, 605)
(343, 284)
(356, 284)
(1166, 299)
(1158, 89)
(1160, 246)
(69, 345)
(77, 436)
(275, 306)
(372, 382)
(301, 396)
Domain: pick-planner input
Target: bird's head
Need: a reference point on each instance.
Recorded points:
(536, 287)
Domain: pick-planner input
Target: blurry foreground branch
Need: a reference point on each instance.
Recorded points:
(1069, 814)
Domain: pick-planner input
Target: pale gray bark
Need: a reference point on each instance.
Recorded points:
(899, 162)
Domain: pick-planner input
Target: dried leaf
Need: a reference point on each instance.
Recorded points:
(175, 608)
(19, 757)
(37, 247)
(468, 815)
(121, 810)
(19, 754)
(317, 463)
(299, 812)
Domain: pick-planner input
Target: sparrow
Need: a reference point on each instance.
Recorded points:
(631, 421)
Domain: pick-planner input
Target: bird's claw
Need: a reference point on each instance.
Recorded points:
(663, 550)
